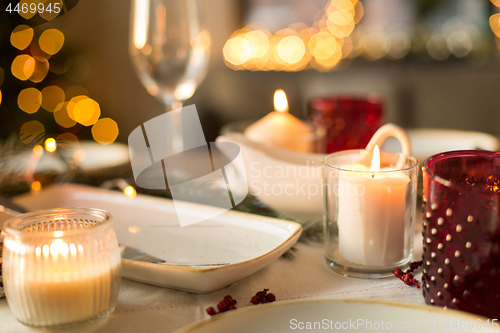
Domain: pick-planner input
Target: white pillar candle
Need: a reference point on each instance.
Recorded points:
(281, 129)
(371, 218)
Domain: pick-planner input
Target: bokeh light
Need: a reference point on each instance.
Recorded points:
(38, 150)
(49, 15)
(51, 41)
(28, 14)
(29, 100)
(40, 71)
(291, 49)
(31, 132)
(36, 186)
(67, 140)
(495, 24)
(52, 97)
(23, 67)
(50, 145)
(21, 37)
(105, 131)
(0, 97)
(130, 191)
(84, 110)
(62, 117)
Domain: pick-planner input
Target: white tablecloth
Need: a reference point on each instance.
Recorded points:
(144, 308)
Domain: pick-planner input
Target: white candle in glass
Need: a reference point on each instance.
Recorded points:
(371, 218)
(61, 267)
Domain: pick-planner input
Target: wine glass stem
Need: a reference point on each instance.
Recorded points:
(177, 132)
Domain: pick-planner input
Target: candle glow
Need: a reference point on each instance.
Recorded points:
(280, 101)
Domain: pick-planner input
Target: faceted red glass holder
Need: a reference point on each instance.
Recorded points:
(350, 121)
(461, 231)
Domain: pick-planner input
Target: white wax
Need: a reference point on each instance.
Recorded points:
(281, 129)
(371, 218)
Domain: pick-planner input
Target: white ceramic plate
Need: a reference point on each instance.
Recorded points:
(426, 142)
(339, 315)
(94, 157)
(248, 242)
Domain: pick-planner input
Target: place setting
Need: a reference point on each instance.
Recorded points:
(263, 166)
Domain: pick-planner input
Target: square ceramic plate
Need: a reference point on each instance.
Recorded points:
(247, 242)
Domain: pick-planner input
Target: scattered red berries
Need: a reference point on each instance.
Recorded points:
(407, 277)
(228, 303)
(263, 297)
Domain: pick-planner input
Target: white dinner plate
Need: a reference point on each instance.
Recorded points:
(247, 242)
(426, 142)
(340, 315)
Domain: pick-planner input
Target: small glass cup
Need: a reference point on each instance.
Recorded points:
(61, 267)
(461, 231)
(369, 217)
(350, 121)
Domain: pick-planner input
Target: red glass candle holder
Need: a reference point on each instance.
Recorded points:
(350, 121)
(461, 233)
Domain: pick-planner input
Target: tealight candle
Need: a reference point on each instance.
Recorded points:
(61, 267)
(368, 234)
(281, 129)
(369, 212)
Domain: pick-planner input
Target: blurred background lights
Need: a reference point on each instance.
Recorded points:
(67, 140)
(130, 191)
(300, 46)
(52, 96)
(62, 117)
(105, 131)
(23, 67)
(29, 13)
(31, 130)
(38, 150)
(36, 186)
(50, 145)
(40, 71)
(86, 111)
(51, 41)
(21, 37)
(29, 100)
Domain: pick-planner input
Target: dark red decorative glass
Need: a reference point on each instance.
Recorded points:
(350, 121)
(461, 231)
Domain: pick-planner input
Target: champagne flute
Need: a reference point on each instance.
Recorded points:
(170, 47)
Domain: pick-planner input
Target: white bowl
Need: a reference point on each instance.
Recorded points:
(287, 181)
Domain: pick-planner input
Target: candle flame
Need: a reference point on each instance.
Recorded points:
(375, 167)
(280, 101)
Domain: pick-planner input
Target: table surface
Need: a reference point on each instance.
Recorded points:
(145, 308)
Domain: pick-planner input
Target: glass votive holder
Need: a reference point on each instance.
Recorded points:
(61, 267)
(369, 216)
(350, 121)
(461, 231)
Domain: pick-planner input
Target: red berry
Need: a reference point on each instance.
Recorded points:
(255, 300)
(398, 273)
(270, 297)
(231, 307)
(211, 311)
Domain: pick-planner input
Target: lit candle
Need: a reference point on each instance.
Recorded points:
(371, 218)
(280, 128)
(60, 278)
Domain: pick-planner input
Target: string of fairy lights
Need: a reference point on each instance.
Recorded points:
(69, 106)
(338, 36)
(299, 46)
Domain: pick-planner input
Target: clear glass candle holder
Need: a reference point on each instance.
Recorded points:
(461, 231)
(61, 267)
(369, 216)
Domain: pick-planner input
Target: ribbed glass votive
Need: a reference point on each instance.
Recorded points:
(61, 267)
